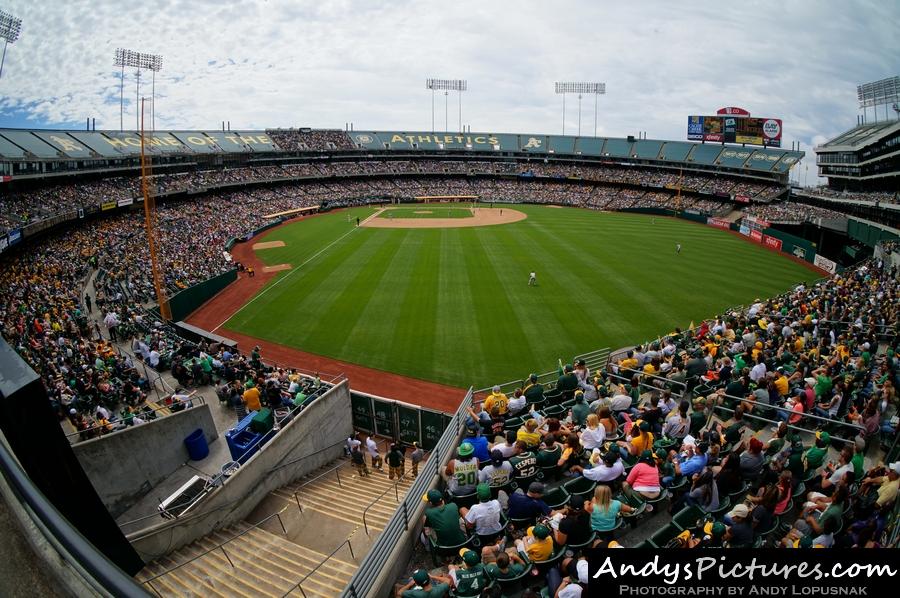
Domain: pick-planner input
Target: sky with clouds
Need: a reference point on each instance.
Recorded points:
(265, 63)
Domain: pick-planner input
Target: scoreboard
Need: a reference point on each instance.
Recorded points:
(735, 129)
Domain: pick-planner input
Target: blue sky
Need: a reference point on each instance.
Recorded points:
(328, 63)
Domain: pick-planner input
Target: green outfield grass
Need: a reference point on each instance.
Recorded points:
(433, 211)
(453, 305)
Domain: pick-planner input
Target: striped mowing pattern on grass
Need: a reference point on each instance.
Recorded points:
(427, 211)
(453, 305)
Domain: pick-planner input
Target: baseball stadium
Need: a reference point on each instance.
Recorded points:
(320, 362)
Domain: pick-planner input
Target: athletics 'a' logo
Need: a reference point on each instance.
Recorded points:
(533, 142)
(364, 138)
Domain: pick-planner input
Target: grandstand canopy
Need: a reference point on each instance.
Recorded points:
(865, 158)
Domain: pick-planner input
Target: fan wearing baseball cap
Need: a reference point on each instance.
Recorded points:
(470, 579)
(423, 585)
(537, 543)
(887, 483)
(740, 534)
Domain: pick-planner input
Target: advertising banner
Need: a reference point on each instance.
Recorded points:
(742, 198)
(718, 223)
(826, 264)
(756, 235)
(125, 202)
(107, 205)
(745, 230)
(755, 222)
(735, 129)
(14, 236)
(4, 243)
(772, 242)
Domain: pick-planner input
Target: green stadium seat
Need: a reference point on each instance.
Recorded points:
(581, 487)
(512, 584)
(557, 498)
(664, 535)
(439, 550)
(513, 424)
(586, 543)
(799, 491)
(688, 517)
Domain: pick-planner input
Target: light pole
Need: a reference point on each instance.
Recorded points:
(10, 27)
(580, 88)
(138, 61)
(446, 85)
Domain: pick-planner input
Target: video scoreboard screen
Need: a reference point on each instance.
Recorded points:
(735, 129)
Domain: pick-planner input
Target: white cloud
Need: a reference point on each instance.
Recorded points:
(326, 63)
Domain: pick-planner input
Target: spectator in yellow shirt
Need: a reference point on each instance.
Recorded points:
(497, 399)
(537, 544)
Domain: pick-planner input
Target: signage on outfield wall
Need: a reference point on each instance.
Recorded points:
(14, 236)
(825, 264)
(799, 252)
(772, 242)
(125, 202)
(756, 235)
(754, 222)
(718, 223)
(107, 205)
(745, 230)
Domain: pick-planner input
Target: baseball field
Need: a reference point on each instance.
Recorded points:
(453, 304)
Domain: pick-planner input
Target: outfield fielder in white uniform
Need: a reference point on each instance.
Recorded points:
(532, 279)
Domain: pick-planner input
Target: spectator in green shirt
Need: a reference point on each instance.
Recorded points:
(815, 455)
(507, 566)
(580, 410)
(443, 519)
(423, 585)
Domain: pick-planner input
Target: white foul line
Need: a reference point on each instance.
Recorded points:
(283, 278)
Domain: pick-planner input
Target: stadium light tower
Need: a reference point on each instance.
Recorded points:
(10, 27)
(879, 93)
(137, 61)
(446, 85)
(580, 88)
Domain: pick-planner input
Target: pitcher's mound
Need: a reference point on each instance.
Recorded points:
(267, 245)
(480, 217)
(278, 267)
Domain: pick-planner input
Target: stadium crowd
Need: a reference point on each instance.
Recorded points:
(310, 140)
(754, 428)
(790, 211)
(873, 196)
(22, 207)
(47, 320)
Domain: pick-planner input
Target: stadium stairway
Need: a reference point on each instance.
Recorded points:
(733, 216)
(267, 560)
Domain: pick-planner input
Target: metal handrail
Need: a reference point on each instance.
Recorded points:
(316, 568)
(335, 469)
(663, 378)
(379, 497)
(200, 400)
(321, 450)
(792, 412)
(361, 582)
(217, 547)
(551, 374)
(777, 423)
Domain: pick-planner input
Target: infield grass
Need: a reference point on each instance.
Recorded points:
(453, 306)
(427, 211)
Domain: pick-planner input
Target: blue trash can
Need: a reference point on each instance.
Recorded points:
(196, 445)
